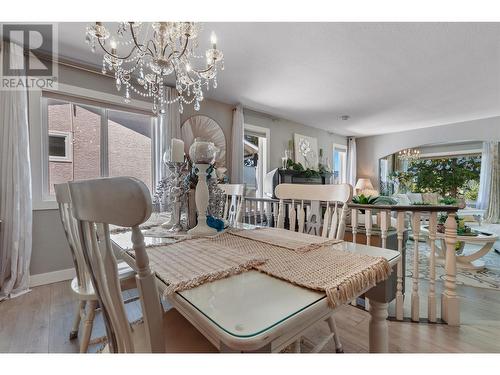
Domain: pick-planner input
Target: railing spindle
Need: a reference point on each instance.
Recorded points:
(449, 299)
(431, 299)
(368, 226)
(334, 222)
(384, 227)
(399, 276)
(415, 298)
(301, 217)
(354, 224)
(326, 220)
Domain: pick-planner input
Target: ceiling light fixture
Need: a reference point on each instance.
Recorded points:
(409, 154)
(145, 66)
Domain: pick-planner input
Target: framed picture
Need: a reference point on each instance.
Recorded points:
(306, 150)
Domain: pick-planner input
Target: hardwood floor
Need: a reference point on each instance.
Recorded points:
(40, 322)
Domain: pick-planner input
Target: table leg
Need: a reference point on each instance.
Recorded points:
(378, 329)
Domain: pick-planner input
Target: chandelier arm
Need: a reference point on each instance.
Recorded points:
(139, 45)
(183, 50)
(114, 55)
(212, 66)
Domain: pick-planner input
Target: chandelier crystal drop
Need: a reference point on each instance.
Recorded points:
(143, 57)
(409, 154)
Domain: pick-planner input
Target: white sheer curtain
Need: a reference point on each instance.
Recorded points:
(351, 161)
(237, 146)
(489, 183)
(485, 177)
(15, 187)
(168, 127)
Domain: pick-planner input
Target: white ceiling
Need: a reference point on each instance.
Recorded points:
(386, 76)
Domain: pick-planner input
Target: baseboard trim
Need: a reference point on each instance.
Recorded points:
(51, 277)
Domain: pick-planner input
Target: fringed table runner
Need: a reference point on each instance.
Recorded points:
(296, 241)
(340, 274)
(186, 264)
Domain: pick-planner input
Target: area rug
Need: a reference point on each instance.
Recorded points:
(489, 278)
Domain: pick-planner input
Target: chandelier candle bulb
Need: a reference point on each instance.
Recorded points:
(177, 147)
(213, 39)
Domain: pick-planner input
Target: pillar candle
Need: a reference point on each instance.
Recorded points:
(177, 149)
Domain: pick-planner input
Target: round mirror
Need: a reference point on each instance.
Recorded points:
(208, 129)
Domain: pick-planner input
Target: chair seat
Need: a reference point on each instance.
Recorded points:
(180, 336)
(125, 273)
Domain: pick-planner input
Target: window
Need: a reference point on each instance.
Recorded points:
(60, 146)
(89, 141)
(256, 159)
(339, 164)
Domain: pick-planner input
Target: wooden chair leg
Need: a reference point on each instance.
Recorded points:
(76, 322)
(336, 337)
(87, 326)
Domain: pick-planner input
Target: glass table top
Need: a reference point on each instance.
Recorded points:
(250, 303)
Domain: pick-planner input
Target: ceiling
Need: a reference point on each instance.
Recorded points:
(387, 77)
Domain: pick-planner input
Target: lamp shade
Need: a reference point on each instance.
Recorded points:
(364, 184)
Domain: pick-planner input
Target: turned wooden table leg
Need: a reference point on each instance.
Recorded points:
(378, 329)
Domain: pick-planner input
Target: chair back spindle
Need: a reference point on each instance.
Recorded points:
(328, 225)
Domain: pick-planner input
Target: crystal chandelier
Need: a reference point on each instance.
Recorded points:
(165, 49)
(409, 154)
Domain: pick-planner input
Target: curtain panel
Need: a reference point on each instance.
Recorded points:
(15, 186)
(237, 146)
(351, 161)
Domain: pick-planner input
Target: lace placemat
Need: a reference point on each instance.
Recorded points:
(296, 241)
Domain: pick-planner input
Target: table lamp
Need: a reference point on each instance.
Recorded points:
(362, 185)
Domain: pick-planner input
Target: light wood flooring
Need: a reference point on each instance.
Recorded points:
(40, 321)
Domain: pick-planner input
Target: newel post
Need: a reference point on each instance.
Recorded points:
(450, 311)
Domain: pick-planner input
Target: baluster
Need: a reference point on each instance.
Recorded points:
(281, 214)
(399, 283)
(415, 298)
(431, 299)
(326, 220)
(292, 215)
(254, 212)
(384, 227)
(449, 300)
(335, 220)
(240, 201)
(226, 207)
(245, 212)
(275, 213)
(354, 224)
(368, 226)
(268, 214)
(301, 217)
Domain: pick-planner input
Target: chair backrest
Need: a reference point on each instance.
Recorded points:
(312, 220)
(70, 226)
(234, 202)
(126, 202)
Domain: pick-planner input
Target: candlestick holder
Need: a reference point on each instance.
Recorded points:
(202, 153)
(176, 195)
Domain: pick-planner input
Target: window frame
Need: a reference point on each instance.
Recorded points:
(266, 162)
(343, 172)
(68, 146)
(47, 200)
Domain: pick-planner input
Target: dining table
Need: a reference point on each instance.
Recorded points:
(255, 312)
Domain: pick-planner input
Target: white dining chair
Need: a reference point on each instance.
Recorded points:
(81, 285)
(235, 196)
(305, 216)
(126, 202)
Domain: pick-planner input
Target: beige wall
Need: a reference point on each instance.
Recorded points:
(371, 149)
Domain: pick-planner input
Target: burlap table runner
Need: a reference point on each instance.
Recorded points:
(340, 274)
